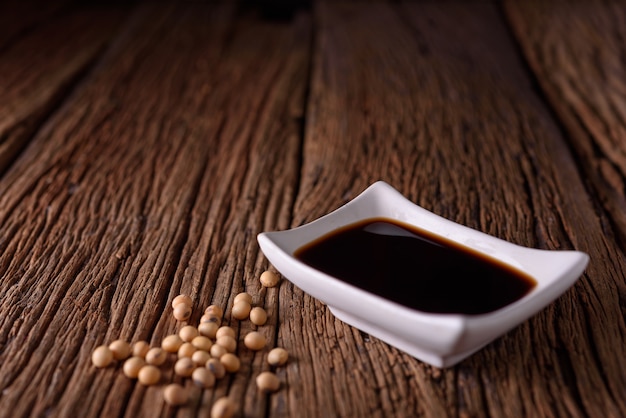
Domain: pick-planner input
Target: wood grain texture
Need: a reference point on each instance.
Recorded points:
(434, 100)
(583, 76)
(152, 180)
(202, 125)
(39, 67)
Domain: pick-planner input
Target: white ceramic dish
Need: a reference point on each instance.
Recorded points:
(438, 339)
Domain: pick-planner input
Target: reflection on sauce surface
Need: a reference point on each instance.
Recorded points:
(415, 268)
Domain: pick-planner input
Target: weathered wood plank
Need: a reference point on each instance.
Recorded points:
(185, 141)
(433, 99)
(153, 179)
(576, 51)
(39, 68)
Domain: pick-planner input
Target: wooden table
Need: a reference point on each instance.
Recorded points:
(143, 148)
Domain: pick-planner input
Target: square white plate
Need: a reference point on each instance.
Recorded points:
(438, 339)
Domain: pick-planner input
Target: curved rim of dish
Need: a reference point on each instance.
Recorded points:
(375, 202)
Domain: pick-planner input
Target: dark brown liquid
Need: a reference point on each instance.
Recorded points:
(415, 268)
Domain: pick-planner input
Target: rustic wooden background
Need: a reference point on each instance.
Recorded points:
(143, 147)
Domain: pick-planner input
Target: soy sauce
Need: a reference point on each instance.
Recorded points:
(416, 268)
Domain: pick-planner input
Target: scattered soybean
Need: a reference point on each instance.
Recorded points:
(175, 394)
(229, 343)
(203, 377)
(277, 356)
(231, 362)
(202, 343)
(140, 348)
(171, 343)
(243, 296)
(132, 366)
(200, 357)
(269, 279)
(214, 310)
(120, 349)
(254, 340)
(156, 356)
(186, 350)
(181, 299)
(221, 331)
(102, 356)
(208, 318)
(241, 310)
(182, 312)
(184, 367)
(268, 382)
(149, 375)
(258, 316)
(188, 333)
(217, 351)
(208, 329)
(223, 408)
(216, 367)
